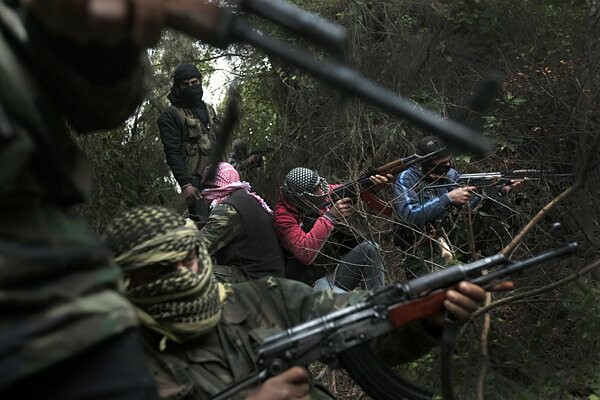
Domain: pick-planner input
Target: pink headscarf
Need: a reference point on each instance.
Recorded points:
(227, 181)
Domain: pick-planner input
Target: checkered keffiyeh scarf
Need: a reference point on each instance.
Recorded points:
(227, 181)
(180, 304)
(298, 189)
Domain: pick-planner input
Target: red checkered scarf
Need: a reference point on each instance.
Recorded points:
(227, 181)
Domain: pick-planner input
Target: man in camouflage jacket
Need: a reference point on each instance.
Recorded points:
(65, 331)
(202, 335)
(239, 233)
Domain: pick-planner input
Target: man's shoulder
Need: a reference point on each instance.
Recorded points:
(283, 209)
(224, 211)
(409, 175)
(170, 112)
(453, 174)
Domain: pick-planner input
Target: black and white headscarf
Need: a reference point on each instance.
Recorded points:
(299, 187)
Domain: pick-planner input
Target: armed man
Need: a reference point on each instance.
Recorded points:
(322, 251)
(201, 335)
(65, 330)
(244, 162)
(423, 200)
(188, 132)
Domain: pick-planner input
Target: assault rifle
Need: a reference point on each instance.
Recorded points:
(361, 187)
(221, 26)
(483, 179)
(246, 164)
(342, 337)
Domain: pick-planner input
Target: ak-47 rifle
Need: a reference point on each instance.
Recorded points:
(221, 26)
(362, 186)
(484, 179)
(342, 338)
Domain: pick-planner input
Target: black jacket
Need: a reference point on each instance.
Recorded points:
(170, 125)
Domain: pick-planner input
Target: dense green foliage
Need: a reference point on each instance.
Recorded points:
(545, 115)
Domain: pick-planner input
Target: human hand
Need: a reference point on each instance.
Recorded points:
(464, 299)
(514, 185)
(105, 22)
(462, 195)
(380, 179)
(254, 159)
(342, 208)
(290, 384)
(191, 193)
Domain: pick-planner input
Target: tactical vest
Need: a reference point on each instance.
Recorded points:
(256, 249)
(198, 139)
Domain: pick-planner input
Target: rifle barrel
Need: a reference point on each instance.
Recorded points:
(451, 275)
(518, 266)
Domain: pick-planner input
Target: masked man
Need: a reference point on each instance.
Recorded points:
(423, 214)
(239, 233)
(188, 132)
(322, 250)
(201, 335)
(243, 162)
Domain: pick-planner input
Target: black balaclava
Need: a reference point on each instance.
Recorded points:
(427, 145)
(191, 96)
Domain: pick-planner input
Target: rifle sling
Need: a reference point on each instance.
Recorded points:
(449, 335)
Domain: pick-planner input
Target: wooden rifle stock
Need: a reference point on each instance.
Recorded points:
(415, 310)
(363, 186)
(424, 306)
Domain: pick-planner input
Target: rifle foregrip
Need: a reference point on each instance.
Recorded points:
(415, 310)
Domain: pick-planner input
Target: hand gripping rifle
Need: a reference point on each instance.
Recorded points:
(362, 187)
(484, 179)
(220, 26)
(342, 338)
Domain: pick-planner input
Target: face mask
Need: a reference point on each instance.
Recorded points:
(436, 171)
(191, 96)
(441, 169)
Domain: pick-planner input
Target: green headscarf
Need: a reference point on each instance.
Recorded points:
(179, 304)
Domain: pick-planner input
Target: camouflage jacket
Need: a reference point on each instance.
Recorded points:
(58, 287)
(223, 225)
(239, 234)
(201, 368)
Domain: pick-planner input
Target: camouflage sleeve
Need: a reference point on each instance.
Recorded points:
(222, 227)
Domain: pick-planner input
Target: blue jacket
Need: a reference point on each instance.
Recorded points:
(416, 205)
